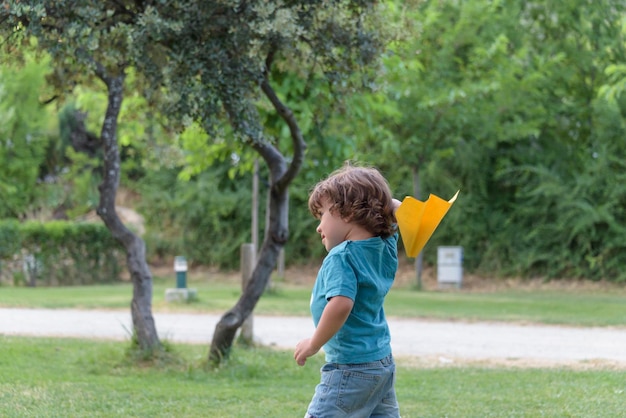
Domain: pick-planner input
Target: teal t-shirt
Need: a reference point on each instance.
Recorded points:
(363, 271)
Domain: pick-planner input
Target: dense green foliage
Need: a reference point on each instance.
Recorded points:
(505, 101)
(57, 253)
(26, 128)
(517, 103)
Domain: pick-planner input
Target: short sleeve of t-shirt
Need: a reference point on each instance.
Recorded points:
(334, 278)
(339, 277)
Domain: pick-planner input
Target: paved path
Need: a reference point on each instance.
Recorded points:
(442, 342)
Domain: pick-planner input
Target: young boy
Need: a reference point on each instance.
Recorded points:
(357, 225)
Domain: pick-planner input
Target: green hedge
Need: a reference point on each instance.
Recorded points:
(58, 253)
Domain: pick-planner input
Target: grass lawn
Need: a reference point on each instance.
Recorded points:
(76, 378)
(48, 377)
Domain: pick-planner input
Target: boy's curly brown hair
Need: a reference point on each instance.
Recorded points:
(358, 194)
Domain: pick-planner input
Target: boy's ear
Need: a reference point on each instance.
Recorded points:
(347, 218)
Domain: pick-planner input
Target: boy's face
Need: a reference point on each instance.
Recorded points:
(333, 229)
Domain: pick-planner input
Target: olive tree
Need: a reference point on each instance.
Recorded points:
(88, 41)
(221, 61)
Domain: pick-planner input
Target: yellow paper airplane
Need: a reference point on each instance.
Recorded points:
(418, 220)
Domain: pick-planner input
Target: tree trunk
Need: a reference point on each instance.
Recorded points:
(141, 305)
(274, 241)
(277, 232)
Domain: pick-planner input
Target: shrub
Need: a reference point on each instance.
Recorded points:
(58, 253)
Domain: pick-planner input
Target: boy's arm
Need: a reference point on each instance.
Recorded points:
(334, 316)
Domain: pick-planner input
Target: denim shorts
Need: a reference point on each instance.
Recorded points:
(356, 390)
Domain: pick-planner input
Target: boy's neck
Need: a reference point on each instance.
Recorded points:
(358, 233)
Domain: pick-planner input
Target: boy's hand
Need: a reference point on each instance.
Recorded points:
(395, 204)
(304, 350)
(333, 317)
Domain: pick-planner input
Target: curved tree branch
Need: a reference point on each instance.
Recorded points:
(299, 146)
(296, 135)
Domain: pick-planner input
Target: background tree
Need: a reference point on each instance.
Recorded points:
(26, 130)
(451, 74)
(220, 62)
(501, 100)
(578, 141)
(89, 40)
